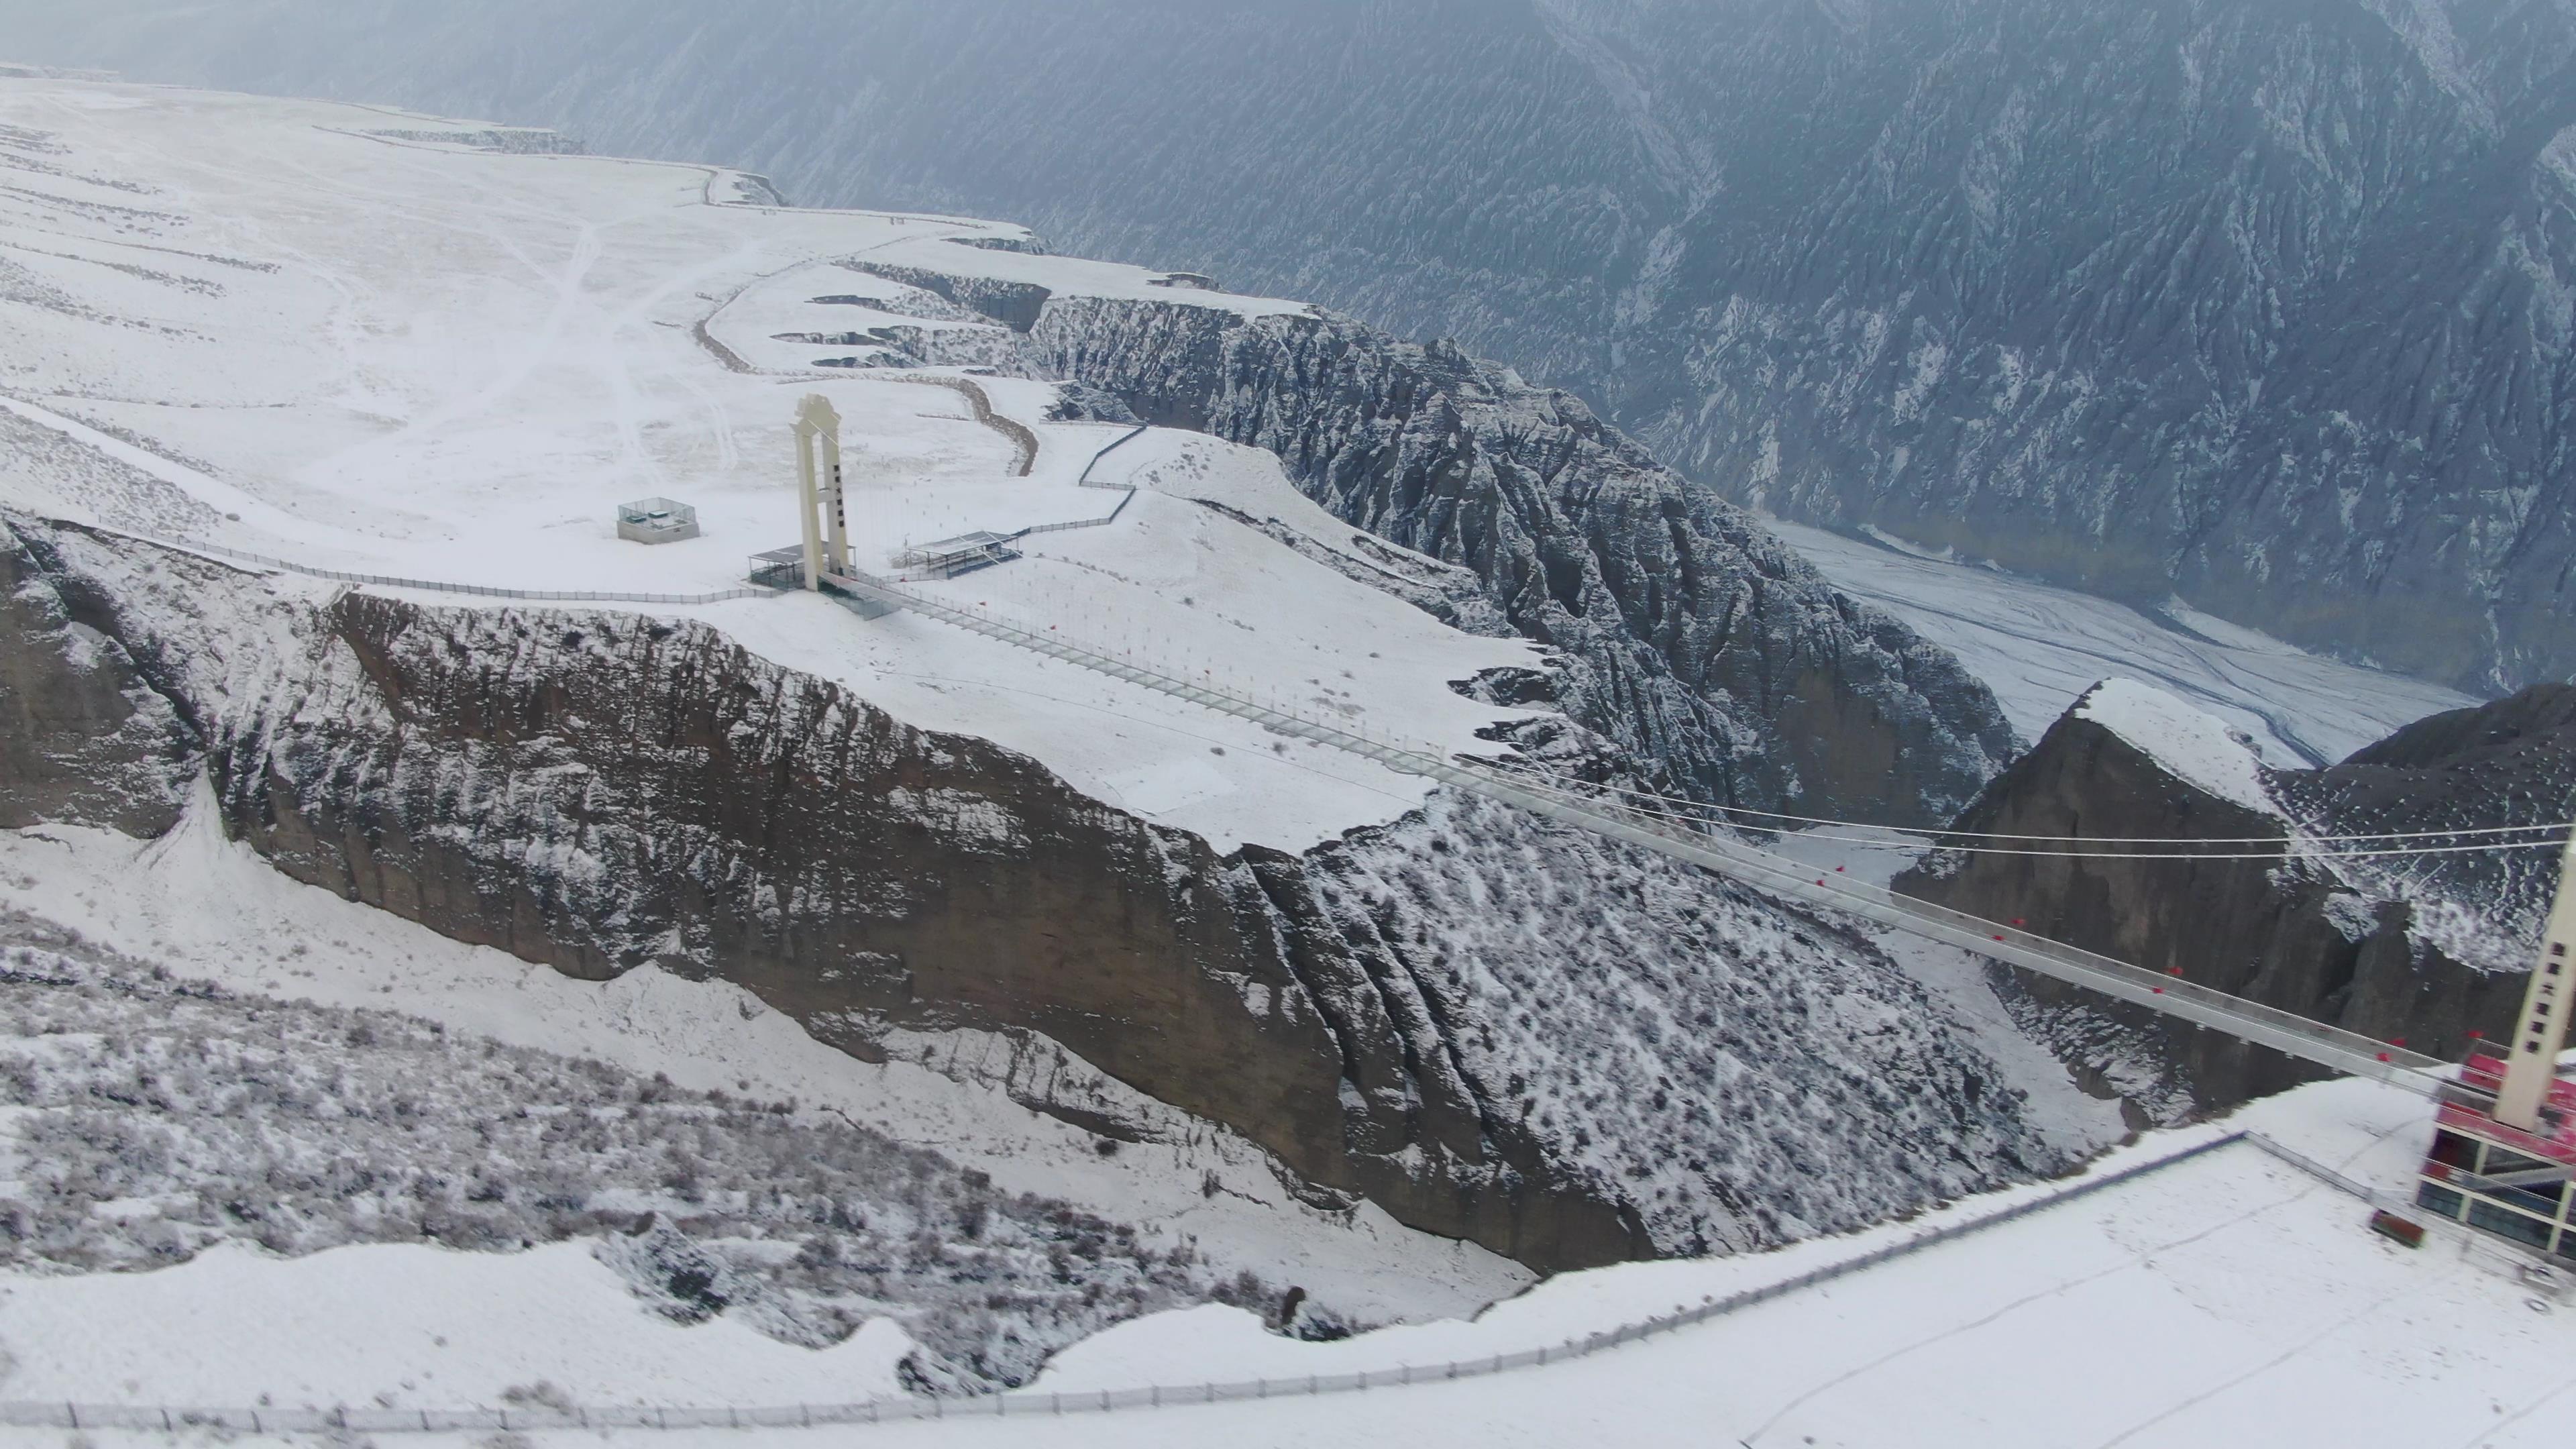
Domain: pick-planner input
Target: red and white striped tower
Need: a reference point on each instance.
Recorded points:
(2531, 1057)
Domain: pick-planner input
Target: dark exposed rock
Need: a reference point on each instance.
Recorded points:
(1563, 1049)
(85, 737)
(1014, 304)
(599, 794)
(1742, 1074)
(2426, 949)
(1696, 640)
(1077, 402)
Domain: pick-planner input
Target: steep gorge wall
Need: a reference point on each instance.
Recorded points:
(84, 738)
(2424, 950)
(1697, 641)
(600, 793)
(1566, 1051)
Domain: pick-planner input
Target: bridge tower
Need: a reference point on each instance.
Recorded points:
(2531, 1063)
(2506, 1170)
(818, 483)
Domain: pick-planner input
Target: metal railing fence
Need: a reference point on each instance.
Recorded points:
(1127, 495)
(578, 596)
(1122, 440)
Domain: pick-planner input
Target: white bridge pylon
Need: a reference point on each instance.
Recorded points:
(818, 484)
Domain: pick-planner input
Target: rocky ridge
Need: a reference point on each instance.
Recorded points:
(602, 792)
(2425, 949)
(1719, 661)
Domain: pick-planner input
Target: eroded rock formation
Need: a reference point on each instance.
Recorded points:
(2426, 949)
(1563, 1050)
(1713, 654)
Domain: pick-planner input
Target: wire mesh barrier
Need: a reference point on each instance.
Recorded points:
(1122, 440)
(581, 596)
(1028, 1403)
(2350, 1187)
(1128, 493)
(1102, 521)
(1128, 490)
(2472, 1242)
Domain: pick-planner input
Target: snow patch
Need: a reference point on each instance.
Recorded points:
(403, 1325)
(2197, 748)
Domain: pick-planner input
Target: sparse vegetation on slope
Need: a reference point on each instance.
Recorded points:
(149, 1118)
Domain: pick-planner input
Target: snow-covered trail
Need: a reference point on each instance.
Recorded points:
(2038, 647)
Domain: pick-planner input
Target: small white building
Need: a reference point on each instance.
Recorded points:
(656, 520)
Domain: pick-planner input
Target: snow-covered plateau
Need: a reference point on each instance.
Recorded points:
(2265, 305)
(918, 1006)
(270, 326)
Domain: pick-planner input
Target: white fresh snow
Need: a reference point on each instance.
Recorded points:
(2191, 743)
(401, 1325)
(248, 322)
(2039, 647)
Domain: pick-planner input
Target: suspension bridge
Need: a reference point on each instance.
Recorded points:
(1651, 823)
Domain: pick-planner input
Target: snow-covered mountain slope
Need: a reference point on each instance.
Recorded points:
(1374, 1024)
(1692, 638)
(587, 331)
(2226, 1299)
(2223, 1297)
(2263, 304)
(441, 357)
(1721, 663)
(204, 908)
(429, 361)
(155, 1120)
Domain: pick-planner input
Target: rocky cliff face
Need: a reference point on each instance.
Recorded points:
(2426, 949)
(1695, 640)
(1567, 1052)
(2266, 304)
(493, 777)
(84, 737)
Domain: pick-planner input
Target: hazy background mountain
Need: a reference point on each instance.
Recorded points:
(2269, 305)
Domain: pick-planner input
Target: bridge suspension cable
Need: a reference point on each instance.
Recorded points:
(2292, 845)
(1780, 876)
(1937, 835)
